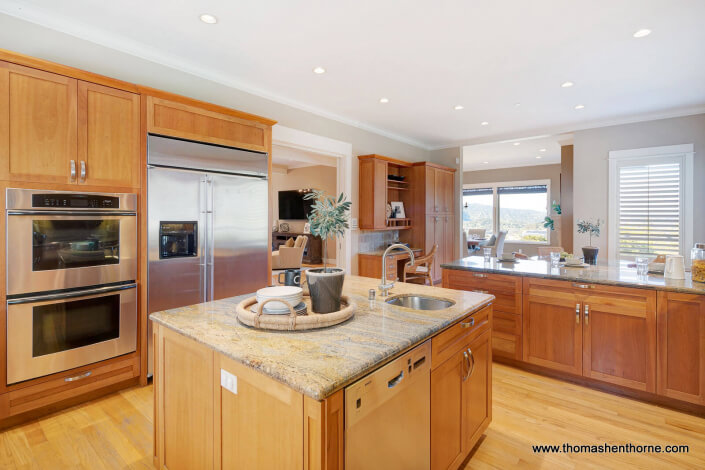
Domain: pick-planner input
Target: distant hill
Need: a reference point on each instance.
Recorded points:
(516, 221)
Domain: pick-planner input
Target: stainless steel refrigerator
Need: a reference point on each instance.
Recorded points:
(207, 209)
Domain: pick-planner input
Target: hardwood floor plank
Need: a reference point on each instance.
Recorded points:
(115, 432)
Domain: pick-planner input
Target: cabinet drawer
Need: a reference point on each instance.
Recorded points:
(506, 322)
(506, 289)
(506, 345)
(454, 339)
(84, 380)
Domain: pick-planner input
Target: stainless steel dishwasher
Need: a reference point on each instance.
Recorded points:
(388, 415)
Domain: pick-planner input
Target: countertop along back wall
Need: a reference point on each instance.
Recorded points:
(590, 170)
(38, 41)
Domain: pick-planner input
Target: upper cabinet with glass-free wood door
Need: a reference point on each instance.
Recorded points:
(439, 190)
(66, 131)
(38, 126)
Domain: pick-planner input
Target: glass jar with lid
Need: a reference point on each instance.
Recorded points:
(697, 255)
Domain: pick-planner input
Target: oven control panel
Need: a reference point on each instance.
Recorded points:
(75, 201)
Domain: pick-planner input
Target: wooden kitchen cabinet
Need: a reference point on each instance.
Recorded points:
(439, 190)
(619, 335)
(552, 325)
(461, 389)
(681, 346)
(108, 136)
(507, 306)
(38, 125)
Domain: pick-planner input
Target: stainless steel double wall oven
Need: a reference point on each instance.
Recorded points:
(71, 270)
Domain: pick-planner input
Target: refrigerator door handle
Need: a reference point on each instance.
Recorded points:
(210, 236)
(202, 236)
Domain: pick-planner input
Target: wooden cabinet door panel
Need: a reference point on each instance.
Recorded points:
(619, 337)
(681, 346)
(262, 412)
(446, 191)
(477, 390)
(445, 247)
(40, 131)
(430, 183)
(109, 136)
(447, 412)
(552, 326)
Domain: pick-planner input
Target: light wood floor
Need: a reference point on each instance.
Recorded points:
(116, 432)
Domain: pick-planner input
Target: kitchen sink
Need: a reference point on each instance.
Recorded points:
(420, 302)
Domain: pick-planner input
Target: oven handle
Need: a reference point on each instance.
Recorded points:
(103, 213)
(70, 295)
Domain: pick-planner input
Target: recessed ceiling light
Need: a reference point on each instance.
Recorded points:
(516, 143)
(485, 163)
(484, 123)
(384, 100)
(542, 150)
(319, 70)
(567, 84)
(458, 107)
(538, 157)
(210, 19)
(580, 106)
(516, 105)
(642, 33)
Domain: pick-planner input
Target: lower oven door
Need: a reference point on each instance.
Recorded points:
(53, 333)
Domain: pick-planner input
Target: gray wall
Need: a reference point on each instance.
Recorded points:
(591, 152)
(538, 172)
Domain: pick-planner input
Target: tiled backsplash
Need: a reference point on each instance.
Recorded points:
(371, 241)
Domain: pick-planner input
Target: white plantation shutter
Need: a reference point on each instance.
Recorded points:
(650, 208)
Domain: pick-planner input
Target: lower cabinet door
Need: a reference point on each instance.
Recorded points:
(619, 337)
(553, 331)
(477, 390)
(447, 412)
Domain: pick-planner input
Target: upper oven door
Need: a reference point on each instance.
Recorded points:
(52, 251)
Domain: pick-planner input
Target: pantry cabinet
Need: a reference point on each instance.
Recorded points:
(67, 131)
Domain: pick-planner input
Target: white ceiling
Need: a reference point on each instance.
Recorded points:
(506, 154)
(295, 158)
(424, 56)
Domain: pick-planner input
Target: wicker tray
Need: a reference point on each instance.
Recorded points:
(292, 321)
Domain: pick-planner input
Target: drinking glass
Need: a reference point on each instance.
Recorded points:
(555, 258)
(488, 254)
(642, 266)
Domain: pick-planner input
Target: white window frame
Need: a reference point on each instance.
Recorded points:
(670, 153)
(495, 205)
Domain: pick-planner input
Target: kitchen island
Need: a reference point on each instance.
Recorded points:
(601, 326)
(286, 406)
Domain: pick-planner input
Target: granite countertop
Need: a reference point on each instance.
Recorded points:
(320, 362)
(618, 275)
(393, 252)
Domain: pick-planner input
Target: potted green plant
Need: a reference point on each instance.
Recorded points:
(586, 226)
(548, 221)
(328, 219)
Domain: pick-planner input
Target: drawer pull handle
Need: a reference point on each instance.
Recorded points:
(584, 286)
(419, 363)
(77, 377)
(479, 275)
(577, 314)
(468, 324)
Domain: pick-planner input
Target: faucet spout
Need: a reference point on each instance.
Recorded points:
(386, 285)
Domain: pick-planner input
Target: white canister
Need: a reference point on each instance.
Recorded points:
(675, 267)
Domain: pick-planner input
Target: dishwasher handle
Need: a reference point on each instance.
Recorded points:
(396, 380)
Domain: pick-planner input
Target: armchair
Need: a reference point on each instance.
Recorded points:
(290, 257)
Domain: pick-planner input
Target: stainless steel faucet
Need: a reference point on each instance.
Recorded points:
(385, 286)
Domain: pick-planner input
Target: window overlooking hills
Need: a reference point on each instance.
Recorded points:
(518, 208)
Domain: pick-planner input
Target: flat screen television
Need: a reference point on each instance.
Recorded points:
(292, 205)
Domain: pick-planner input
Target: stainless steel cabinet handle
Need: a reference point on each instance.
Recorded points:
(583, 286)
(577, 313)
(83, 171)
(587, 313)
(468, 324)
(77, 377)
(471, 367)
(72, 167)
(467, 365)
(479, 275)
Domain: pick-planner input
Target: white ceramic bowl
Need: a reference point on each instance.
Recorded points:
(292, 294)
